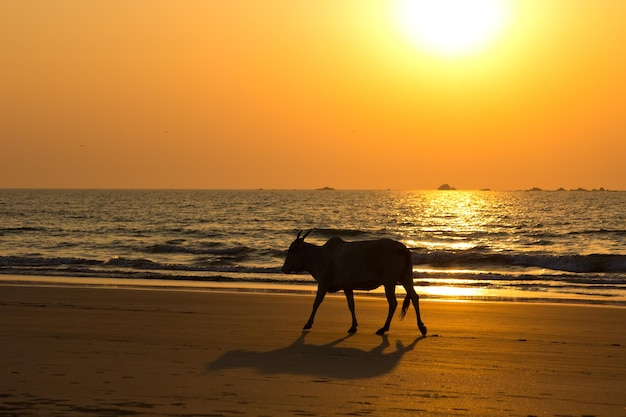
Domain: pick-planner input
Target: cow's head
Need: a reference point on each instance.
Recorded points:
(296, 257)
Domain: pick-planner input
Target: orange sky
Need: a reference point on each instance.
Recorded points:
(304, 94)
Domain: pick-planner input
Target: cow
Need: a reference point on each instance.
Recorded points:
(348, 266)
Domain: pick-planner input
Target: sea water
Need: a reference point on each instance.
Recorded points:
(540, 245)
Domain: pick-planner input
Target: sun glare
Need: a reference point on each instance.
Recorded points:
(452, 28)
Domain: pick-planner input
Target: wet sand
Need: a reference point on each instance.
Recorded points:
(97, 351)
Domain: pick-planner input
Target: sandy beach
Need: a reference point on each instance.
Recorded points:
(68, 351)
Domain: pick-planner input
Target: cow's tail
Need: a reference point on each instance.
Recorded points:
(409, 277)
(405, 306)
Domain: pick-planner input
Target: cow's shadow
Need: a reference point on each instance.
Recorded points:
(327, 360)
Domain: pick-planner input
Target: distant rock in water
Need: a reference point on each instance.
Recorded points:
(446, 187)
(325, 189)
(561, 189)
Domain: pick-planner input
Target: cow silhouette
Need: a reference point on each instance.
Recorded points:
(348, 266)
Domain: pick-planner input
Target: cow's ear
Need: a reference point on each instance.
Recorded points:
(306, 234)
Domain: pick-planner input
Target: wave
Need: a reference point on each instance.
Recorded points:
(210, 250)
(568, 263)
(617, 232)
(22, 229)
(330, 232)
(470, 259)
(479, 279)
(15, 262)
(486, 272)
(245, 259)
(26, 261)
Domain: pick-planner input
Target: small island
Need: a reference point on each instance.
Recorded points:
(562, 189)
(446, 187)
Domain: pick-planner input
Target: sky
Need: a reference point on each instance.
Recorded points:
(304, 94)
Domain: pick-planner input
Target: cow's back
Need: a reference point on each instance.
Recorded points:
(368, 264)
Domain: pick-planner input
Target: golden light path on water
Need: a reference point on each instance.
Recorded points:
(451, 214)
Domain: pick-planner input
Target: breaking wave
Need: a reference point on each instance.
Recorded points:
(575, 268)
(568, 263)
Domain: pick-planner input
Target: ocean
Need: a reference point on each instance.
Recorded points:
(531, 246)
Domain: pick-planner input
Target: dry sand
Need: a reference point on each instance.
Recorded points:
(115, 352)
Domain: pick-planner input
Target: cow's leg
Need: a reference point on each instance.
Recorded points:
(390, 292)
(319, 297)
(350, 298)
(410, 291)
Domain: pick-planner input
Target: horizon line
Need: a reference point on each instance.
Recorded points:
(321, 189)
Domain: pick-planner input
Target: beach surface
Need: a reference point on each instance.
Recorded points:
(67, 351)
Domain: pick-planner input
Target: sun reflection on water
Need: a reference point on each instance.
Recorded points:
(457, 220)
(440, 245)
(452, 292)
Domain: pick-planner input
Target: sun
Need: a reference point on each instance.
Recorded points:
(452, 28)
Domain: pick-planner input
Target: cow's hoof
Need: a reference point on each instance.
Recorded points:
(423, 329)
(381, 331)
(352, 330)
(307, 326)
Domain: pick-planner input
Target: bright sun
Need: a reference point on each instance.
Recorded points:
(452, 28)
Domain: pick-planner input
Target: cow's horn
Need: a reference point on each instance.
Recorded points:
(306, 234)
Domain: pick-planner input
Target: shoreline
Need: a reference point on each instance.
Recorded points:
(85, 351)
(433, 293)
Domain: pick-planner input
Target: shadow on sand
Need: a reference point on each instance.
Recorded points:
(328, 360)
